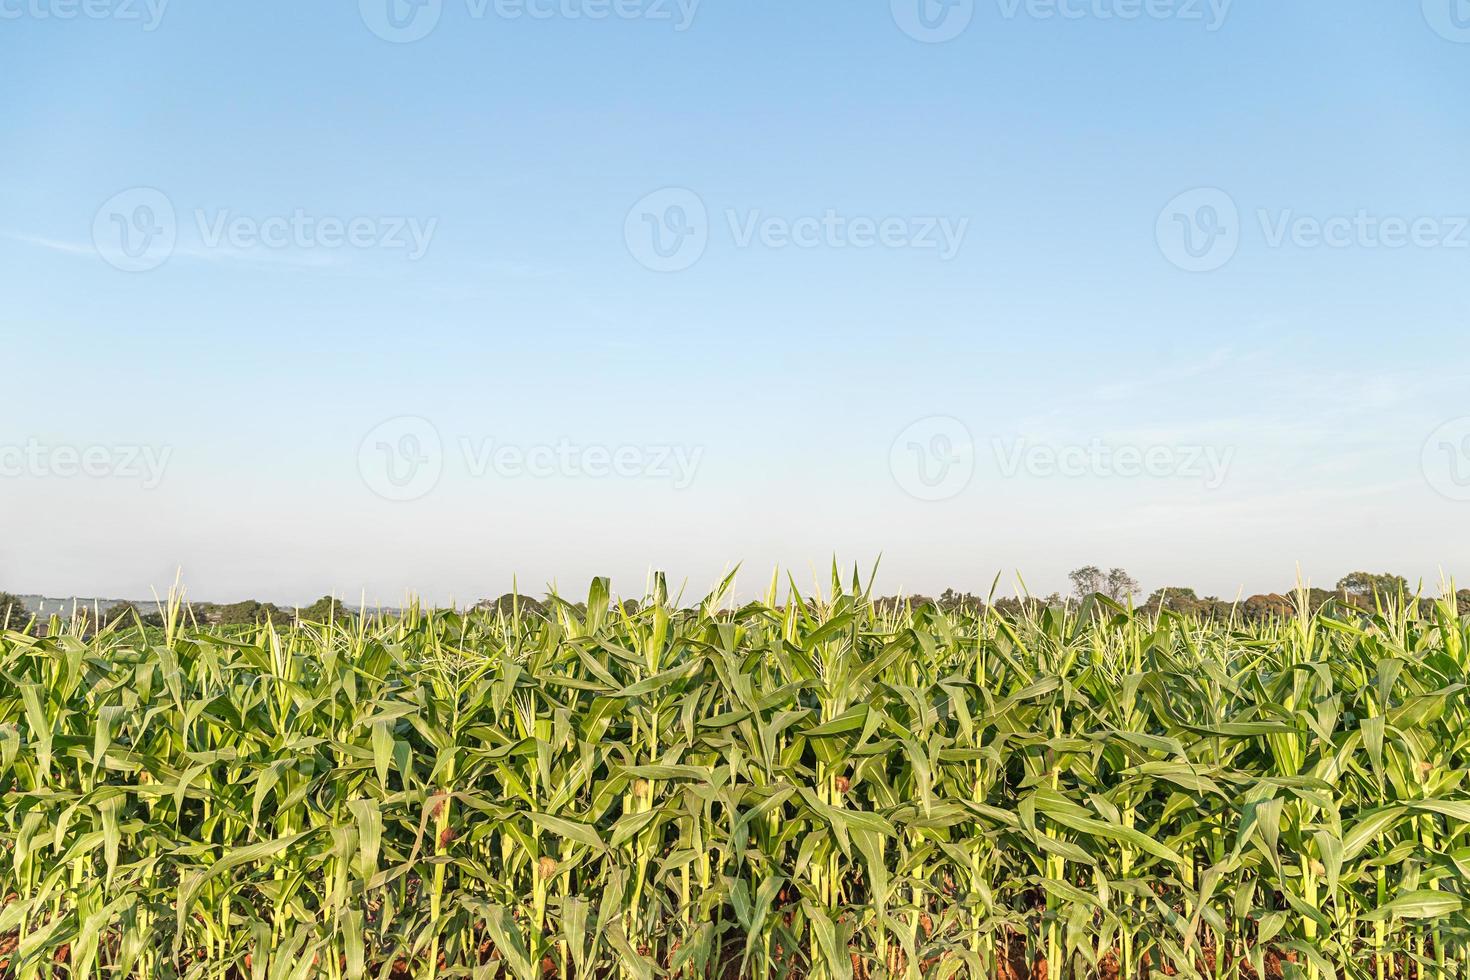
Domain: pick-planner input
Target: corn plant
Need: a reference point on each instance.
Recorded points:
(811, 784)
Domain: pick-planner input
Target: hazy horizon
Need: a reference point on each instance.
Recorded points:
(747, 585)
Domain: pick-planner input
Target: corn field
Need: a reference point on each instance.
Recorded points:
(815, 787)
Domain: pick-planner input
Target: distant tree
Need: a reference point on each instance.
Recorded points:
(1087, 581)
(251, 612)
(1116, 583)
(954, 599)
(1178, 599)
(13, 610)
(1017, 608)
(510, 603)
(1272, 606)
(1365, 585)
(897, 604)
(1121, 586)
(1317, 598)
(324, 609)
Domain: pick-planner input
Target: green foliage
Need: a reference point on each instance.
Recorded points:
(1367, 586)
(253, 613)
(1182, 594)
(1121, 586)
(1178, 599)
(325, 609)
(13, 609)
(1087, 581)
(811, 787)
(1090, 580)
(512, 604)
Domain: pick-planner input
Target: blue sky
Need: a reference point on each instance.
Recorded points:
(846, 395)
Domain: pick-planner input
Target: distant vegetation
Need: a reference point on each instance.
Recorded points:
(1362, 591)
(12, 609)
(251, 612)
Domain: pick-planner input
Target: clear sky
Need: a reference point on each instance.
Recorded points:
(379, 296)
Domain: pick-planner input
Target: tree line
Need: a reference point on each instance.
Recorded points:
(250, 612)
(1360, 590)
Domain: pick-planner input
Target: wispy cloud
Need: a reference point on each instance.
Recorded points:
(299, 258)
(1296, 506)
(70, 248)
(1169, 376)
(294, 258)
